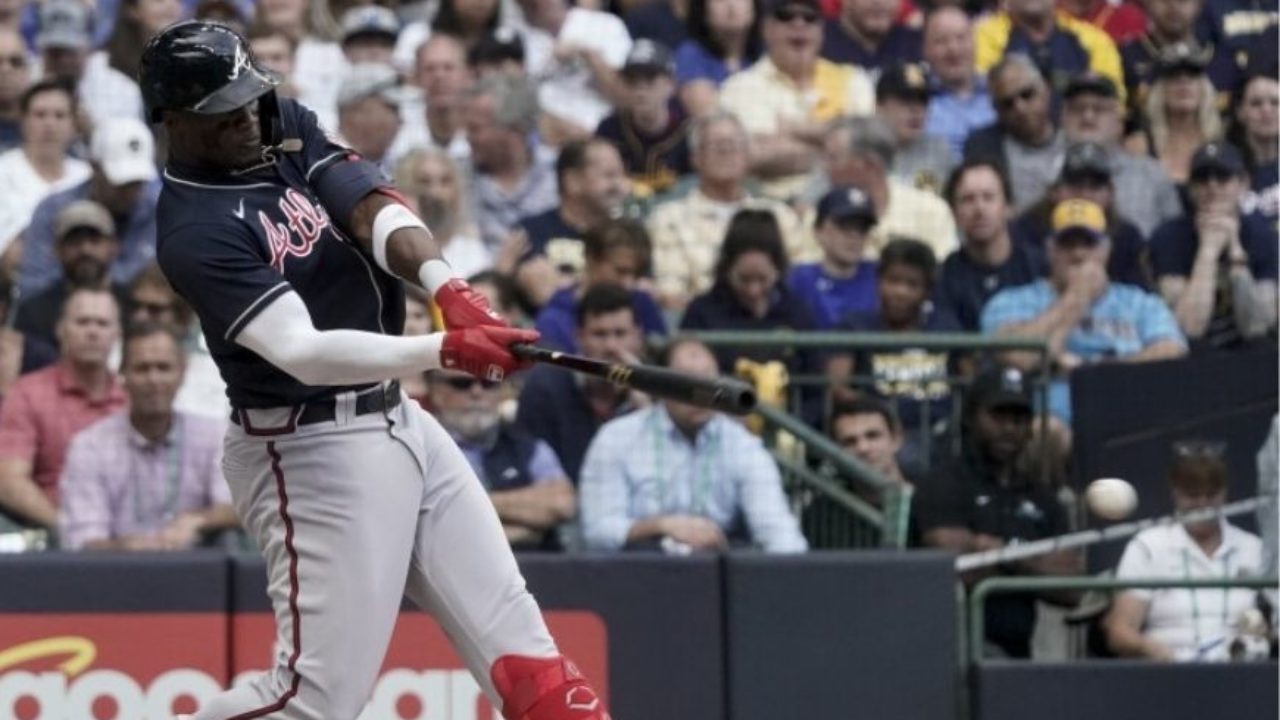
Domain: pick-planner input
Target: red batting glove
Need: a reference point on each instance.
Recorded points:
(485, 350)
(462, 307)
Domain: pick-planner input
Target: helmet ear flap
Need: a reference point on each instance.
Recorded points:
(269, 123)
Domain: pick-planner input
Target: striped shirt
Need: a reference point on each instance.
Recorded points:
(116, 483)
(642, 466)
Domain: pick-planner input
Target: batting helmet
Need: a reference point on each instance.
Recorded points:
(201, 67)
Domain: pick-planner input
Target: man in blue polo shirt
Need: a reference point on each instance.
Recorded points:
(867, 34)
(842, 283)
(960, 102)
(1217, 268)
(1083, 316)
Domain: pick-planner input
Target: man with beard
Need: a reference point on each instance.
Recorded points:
(86, 247)
(521, 473)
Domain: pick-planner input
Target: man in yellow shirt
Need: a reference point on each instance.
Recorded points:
(787, 98)
(1059, 45)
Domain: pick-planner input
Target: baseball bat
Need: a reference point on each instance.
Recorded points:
(1118, 531)
(725, 395)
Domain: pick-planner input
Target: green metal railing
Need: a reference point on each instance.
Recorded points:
(1004, 585)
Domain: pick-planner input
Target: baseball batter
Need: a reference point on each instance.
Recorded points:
(292, 250)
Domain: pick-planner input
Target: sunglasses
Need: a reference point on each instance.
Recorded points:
(1220, 176)
(787, 14)
(466, 383)
(1026, 94)
(14, 61)
(152, 308)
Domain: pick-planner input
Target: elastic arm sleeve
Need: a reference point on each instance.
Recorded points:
(343, 183)
(285, 336)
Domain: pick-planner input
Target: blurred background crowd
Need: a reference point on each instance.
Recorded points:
(1099, 176)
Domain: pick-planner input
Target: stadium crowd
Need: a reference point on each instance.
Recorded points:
(1098, 175)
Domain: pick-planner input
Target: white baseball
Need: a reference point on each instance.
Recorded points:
(1111, 498)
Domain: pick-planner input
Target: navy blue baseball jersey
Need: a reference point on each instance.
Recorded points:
(232, 243)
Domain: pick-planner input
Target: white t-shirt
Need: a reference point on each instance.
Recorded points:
(568, 90)
(1194, 624)
(22, 188)
(467, 255)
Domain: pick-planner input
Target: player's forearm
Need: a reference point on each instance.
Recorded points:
(21, 497)
(285, 336)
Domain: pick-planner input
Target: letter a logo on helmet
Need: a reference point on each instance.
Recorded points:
(200, 67)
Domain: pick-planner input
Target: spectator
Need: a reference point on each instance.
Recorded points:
(724, 38)
(1058, 45)
(1257, 129)
(1122, 21)
(521, 473)
(1246, 31)
(704, 476)
(566, 410)
(369, 112)
(275, 51)
(593, 186)
(152, 300)
(843, 282)
(443, 76)
(41, 165)
(867, 429)
(227, 12)
(1081, 314)
(921, 160)
(988, 260)
(868, 34)
(687, 231)
(650, 128)
(87, 246)
(318, 60)
(123, 181)
(148, 477)
(912, 380)
(19, 353)
(617, 252)
(430, 178)
(469, 22)
(65, 42)
(1170, 23)
(663, 21)
(1086, 175)
(1181, 112)
(44, 410)
(985, 500)
(750, 293)
(786, 98)
(581, 79)
(501, 52)
(960, 102)
(15, 78)
(1183, 624)
(1023, 138)
(369, 34)
(1091, 113)
(137, 21)
(1217, 267)
(1269, 484)
(513, 174)
(859, 153)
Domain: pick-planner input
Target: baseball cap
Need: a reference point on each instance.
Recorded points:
(1086, 160)
(649, 57)
(904, 81)
(64, 24)
(367, 80)
(83, 214)
(1083, 217)
(1216, 158)
(773, 6)
(500, 45)
(1090, 83)
(1180, 56)
(370, 20)
(846, 203)
(1000, 387)
(125, 150)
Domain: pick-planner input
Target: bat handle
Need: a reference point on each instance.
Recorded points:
(525, 351)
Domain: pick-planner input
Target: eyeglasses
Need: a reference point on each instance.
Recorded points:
(1200, 449)
(151, 308)
(16, 62)
(1026, 94)
(1218, 176)
(465, 384)
(787, 14)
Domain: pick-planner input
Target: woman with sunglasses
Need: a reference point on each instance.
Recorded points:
(1184, 624)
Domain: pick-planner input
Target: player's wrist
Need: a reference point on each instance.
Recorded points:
(435, 274)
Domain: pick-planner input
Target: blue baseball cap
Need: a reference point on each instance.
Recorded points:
(844, 204)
